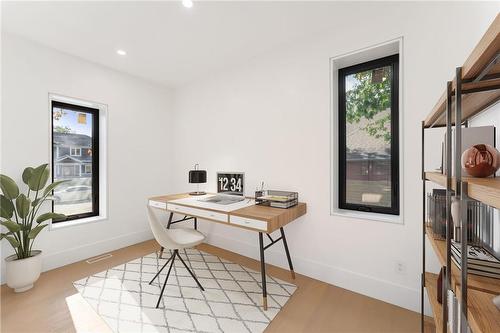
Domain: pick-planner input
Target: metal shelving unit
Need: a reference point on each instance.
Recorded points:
(475, 87)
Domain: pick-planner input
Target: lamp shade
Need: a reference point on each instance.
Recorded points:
(197, 176)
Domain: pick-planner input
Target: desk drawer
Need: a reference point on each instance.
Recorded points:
(203, 213)
(157, 204)
(249, 223)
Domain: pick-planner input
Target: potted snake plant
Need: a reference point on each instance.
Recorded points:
(19, 214)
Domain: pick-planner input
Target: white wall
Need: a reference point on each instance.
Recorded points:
(138, 136)
(271, 119)
(221, 122)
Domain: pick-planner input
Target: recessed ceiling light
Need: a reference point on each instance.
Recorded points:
(121, 52)
(187, 3)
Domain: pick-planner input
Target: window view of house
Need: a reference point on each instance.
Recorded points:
(368, 129)
(73, 156)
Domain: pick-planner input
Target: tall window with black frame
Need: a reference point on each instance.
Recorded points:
(368, 136)
(75, 159)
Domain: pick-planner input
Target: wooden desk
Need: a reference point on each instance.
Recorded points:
(261, 219)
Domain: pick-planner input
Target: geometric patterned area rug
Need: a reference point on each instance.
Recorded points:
(230, 303)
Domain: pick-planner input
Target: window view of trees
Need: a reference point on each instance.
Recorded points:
(367, 157)
(370, 99)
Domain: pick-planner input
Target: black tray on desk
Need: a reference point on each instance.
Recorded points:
(277, 199)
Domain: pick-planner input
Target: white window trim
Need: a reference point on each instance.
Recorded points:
(76, 149)
(73, 223)
(344, 60)
(103, 158)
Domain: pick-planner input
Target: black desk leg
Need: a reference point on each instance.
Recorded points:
(168, 226)
(195, 223)
(287, 252)
(170, 219)
(263, 271)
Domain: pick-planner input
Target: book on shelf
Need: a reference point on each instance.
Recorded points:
(476, 255)
(475, 271)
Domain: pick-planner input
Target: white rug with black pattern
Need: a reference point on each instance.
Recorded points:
(230, 303)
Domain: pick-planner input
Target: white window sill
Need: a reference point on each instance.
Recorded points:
(87, 220)
(397, 219)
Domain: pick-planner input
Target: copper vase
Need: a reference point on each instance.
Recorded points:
(481, 160)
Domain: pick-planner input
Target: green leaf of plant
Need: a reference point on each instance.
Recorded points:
(41, 200)
(39, 178)
(12, 241)
(36, 230)
(369, 100)
(48, 216)
(11, 225)
(23, 206)
(53, 186)
(9, 187)
(27, 173)
(6, 207)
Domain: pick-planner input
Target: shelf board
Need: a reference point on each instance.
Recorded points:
(477, 61)
(483, 316)
(485, 50)
(486, 190)
(472, 104)
(437, 309)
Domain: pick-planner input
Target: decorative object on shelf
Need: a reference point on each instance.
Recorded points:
(479, 219)
(20, 216)
(197, 177)
(470, 136)
(455, 210)
(481, 160)
(496, 301)
(278, 199)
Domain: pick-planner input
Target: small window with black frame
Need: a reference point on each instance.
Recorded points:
(368, 136)
(75, 159)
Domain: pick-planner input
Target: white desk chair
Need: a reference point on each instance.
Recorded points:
(173, 239)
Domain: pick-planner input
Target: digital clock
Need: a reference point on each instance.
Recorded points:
(230, 183)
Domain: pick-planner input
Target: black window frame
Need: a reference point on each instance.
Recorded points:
(392, 61)
(95, 156)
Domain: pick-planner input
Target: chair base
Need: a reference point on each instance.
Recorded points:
(171, 260)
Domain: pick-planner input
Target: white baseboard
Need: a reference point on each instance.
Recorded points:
(75, 254)
(383, 290)
(72, 255)
(366, 285)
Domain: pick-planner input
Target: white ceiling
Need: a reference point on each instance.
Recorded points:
(166, 42)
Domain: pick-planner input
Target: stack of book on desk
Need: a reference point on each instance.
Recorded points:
(479, 261)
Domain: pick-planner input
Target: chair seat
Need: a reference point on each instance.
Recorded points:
(185, 237)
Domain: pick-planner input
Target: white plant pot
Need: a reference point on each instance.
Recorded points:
(22, 273)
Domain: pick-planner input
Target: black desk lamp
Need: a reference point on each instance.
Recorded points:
(197, 177)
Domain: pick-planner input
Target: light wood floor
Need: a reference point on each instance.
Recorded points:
(55, 306)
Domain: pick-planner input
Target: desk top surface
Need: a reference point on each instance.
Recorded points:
(276, 216)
